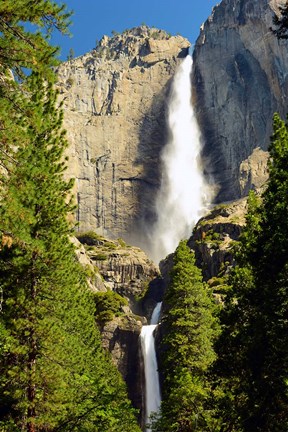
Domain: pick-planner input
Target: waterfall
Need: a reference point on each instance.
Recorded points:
(184, 193)
(182, 199)
(153, 397)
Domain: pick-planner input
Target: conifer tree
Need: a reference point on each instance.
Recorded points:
(25, 29)
(25, 46)
(255, 316)
(54, 374)
(189, 328)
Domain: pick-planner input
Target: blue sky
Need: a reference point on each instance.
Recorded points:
(94, 18)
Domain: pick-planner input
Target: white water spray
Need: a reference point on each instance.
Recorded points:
(153, 397)
(184, 194)
(182, 200)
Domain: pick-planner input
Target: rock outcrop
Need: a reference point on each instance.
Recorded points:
(123, 268)
(214, 235)
(240, 79)
(114, 111)
(121, 337)
(113, 265)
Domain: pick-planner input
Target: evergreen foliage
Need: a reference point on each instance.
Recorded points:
(108, 305)
(253, 354)
(54, 374)
(25, 29)
(189, 328)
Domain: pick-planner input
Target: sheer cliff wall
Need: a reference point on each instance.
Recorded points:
(240, 79)
(114, 112)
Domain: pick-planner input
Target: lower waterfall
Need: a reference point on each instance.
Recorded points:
(152, 387)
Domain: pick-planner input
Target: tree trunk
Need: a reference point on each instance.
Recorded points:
(31, 388)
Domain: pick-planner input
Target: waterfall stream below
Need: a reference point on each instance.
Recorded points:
(152, 387)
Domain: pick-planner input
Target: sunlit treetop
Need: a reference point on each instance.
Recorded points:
(25, 30)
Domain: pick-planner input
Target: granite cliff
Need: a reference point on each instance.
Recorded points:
(114, 267)
(115, 106)
(114, 111)
(240, 79)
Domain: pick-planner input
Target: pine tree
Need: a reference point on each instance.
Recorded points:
(54, 374)
(189, 328)
(269, 354)
(25, 29)
(229, 375)
(255, 317)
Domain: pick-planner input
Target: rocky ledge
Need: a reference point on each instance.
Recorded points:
(214, 236)
(124, 269)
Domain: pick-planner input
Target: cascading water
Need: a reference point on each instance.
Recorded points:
(153, 397)
(183, 198)
(184, 193)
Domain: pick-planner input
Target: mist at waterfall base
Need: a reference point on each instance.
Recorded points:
(184, 194)
(152, 386)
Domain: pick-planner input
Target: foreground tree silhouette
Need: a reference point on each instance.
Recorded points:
(253, 351)
(54, 374)
(25, 30)
(189, 327)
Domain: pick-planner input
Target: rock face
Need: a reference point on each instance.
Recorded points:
(239, 79)
(214, 235)
(253, 171)
(112, 265)
(114, 112)
(121, 338)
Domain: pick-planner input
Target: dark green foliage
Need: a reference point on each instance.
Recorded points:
(253, 349)
(54, 373)
(108, 305)
(90, 238)
(99, 257)
(189, 328)
(25, 28)
(21, 48)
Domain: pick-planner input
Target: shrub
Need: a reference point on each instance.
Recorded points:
(90, 238)
(108, 305)
(99, 257)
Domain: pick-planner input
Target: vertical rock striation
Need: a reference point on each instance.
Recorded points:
(240, 79)
(114, 101)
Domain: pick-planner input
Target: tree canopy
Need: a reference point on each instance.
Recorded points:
(252, 350)
(54, 374)
(25, 28)
(189, 326)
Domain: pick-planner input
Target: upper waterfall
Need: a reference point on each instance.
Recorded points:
(184, 193)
